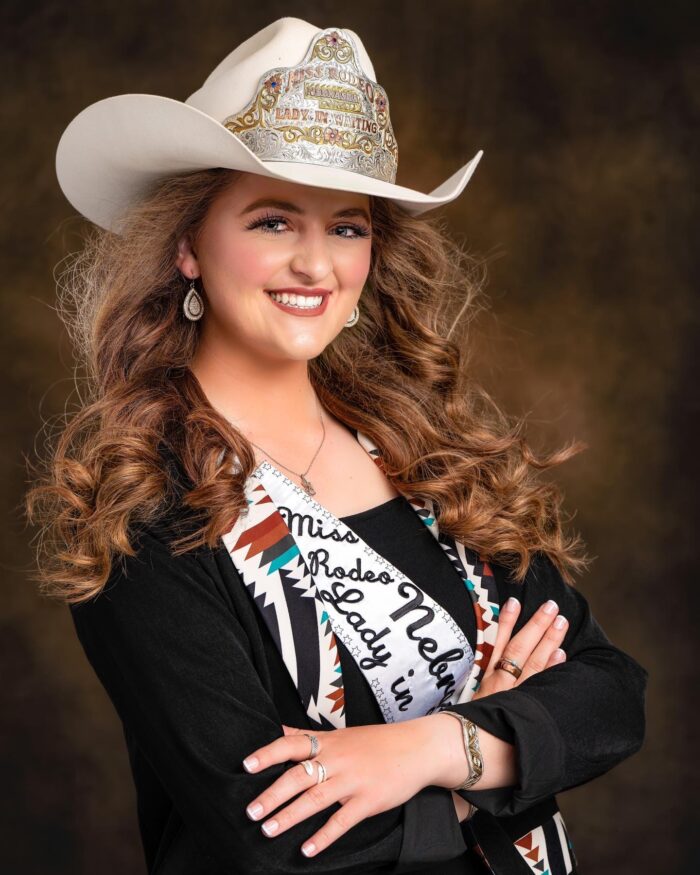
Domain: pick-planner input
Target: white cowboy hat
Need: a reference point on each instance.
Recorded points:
(292, 102)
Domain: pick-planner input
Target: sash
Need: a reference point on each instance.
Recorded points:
(314, 581)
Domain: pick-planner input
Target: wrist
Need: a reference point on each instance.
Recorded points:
(446, 740)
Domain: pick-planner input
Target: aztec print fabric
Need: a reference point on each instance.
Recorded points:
(288, 561)
(547, 849)
(414, 656)
(271, 563)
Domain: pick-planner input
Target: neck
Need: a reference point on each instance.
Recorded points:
(265, 400)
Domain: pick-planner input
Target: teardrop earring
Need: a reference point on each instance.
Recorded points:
(354, 316)
(193, 305)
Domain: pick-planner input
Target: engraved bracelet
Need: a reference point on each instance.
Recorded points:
(472, 750)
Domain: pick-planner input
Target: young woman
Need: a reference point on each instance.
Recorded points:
(311, 563)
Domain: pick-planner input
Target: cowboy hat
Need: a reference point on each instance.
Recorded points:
(292, 102)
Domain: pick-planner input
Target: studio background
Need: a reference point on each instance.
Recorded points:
(583, 207)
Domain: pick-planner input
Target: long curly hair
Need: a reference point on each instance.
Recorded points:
(401, 375)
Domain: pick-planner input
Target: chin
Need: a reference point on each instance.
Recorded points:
(309, 347)
(294, 354)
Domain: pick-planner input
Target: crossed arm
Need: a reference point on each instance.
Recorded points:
(173, 658)
(433, 746)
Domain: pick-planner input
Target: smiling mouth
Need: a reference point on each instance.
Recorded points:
(300, 301)
(298, 304)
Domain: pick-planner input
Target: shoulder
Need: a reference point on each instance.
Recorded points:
(153, 573)
(543, 581)
(153, 582)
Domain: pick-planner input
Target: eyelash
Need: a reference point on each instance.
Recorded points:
(266, 219)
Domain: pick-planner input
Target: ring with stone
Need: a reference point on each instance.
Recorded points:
(314, 743)
(509, 665)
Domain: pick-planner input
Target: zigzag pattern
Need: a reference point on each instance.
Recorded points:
(273, 570)
(547, 849)
(533, 849)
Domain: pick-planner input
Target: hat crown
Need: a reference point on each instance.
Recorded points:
(296, 93)
(281, 44)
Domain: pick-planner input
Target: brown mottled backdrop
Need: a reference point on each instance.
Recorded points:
(583, 202)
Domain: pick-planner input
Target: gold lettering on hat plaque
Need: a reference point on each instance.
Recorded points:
(323, 111)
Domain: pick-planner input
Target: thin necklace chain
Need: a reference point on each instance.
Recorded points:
(304, 481)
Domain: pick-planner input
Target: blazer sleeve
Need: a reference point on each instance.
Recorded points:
(174, 660)
(569, 723)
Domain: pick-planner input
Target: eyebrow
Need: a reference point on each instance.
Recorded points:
(293, 208)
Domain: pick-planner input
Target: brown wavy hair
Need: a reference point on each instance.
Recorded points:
(398, 375)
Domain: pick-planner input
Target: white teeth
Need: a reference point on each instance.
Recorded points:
(303, 302)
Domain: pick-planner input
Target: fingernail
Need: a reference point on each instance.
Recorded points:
(560, 622)
(250, 763)
(308, 849)
(550, 607)
(254, 811)
(511, 605)
(559, 655)
(270, 827)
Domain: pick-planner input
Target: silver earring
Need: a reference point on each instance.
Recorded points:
(354, 316)
(193, 305)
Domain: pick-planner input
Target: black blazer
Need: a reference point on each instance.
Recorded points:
(198, 683)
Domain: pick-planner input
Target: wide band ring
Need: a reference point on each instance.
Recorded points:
(509, 665)
(314, 743)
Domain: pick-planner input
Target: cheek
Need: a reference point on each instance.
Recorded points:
(353, 267)
(251, 261)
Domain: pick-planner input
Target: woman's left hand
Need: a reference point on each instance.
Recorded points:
(369, 769)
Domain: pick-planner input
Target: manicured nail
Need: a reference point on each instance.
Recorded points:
(308, 849)
(550, 607)
(560, 622)
(559, 655)
(270, 827)
(254, 811)
(250, 763)
(511, 605)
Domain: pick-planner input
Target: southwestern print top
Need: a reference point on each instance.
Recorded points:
(198, 677)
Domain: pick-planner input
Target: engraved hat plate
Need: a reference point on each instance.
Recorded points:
(325, 110)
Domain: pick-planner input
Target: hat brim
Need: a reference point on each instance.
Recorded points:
(115, 149)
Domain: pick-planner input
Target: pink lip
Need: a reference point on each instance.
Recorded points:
(316, 311)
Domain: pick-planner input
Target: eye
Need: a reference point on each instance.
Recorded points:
(264, 224)
(358, 230)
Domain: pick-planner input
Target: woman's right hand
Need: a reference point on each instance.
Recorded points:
(535, 647)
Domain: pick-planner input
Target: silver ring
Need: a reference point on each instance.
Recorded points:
(308, 767)
(321, 772)
(314, 743)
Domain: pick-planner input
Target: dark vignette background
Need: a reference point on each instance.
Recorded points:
(583, 203)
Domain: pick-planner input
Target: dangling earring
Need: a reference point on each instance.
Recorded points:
(354, 316)
(193, 305)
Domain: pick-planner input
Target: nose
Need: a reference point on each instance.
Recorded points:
(312, 257)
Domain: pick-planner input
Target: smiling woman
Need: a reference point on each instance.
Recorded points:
(245, 257)
(281, 647)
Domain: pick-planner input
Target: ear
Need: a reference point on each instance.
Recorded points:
(186, 260)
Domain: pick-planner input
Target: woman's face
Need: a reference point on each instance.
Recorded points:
(264, 235)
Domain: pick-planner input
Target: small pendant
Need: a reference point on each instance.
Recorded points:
(307, 486)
